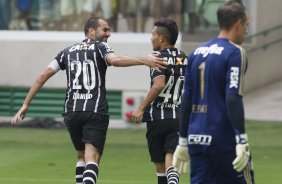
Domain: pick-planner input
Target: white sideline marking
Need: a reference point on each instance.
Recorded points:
(62, 180)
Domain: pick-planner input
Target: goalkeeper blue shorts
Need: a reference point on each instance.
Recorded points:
(218, 169)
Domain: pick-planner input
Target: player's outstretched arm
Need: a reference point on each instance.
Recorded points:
(125, 61)
(47, 73)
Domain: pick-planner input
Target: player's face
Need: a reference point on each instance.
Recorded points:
(155, 40)
(103, 32)
(242, 30)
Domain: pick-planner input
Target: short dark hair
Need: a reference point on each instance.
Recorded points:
(92, 22)
(229, 13)
(168, 28)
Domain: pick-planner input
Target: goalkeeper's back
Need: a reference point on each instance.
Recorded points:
(216, 69)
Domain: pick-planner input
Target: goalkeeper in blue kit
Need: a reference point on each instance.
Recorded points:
(212, 122)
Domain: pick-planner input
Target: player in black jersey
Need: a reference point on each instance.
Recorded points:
(161, 105)
(86, 108)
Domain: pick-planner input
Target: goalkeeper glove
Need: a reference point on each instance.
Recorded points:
(242, 152)
(180, 156)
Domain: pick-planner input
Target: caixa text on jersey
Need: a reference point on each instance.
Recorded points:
(83, 46)
(176, 60)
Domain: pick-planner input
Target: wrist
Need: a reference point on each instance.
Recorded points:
(182, 141)
(241, 138)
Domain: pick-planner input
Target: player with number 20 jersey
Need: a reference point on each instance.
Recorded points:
(85, 67)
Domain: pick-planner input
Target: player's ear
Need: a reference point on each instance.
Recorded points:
(161, 38)
(91, 32)
(238, 24)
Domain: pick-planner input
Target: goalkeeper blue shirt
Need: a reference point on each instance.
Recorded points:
(215, 69)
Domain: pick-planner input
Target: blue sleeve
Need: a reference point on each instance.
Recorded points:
(236, 114)
(236, 68)
(186, 104)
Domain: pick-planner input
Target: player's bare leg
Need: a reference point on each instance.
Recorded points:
(92, 159)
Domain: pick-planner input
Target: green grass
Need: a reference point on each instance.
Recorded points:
(37, 156)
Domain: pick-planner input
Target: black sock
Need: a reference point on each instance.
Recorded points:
(90, 174)
(79, 169)
(172, 176)
(162, 178)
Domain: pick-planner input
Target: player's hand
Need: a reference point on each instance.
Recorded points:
(20, 114)
(137, 115)
(243, 155)
(156, 63)
(156, 54)
(180, 157)
(242, 152)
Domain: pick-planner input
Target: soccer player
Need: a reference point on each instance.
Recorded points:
(212, 121)
(161, 105)
(86, 108)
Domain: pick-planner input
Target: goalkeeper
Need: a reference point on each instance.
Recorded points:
(212, 113)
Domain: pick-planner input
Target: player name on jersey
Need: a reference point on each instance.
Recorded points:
(166, 105)
(84, 96)
(196, 108)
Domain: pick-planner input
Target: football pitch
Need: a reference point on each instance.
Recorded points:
(40, 156)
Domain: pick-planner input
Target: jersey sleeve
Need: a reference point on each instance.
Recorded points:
(60, 58)
(104, 50)
(236, 68)
(186, 102)
(154, 73)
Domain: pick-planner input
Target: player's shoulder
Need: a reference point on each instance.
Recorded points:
(104, 46)
(174, 52)
(228, 44)
(236, 47)
(218, 46)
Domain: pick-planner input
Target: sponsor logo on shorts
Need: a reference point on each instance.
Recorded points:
(199, 139)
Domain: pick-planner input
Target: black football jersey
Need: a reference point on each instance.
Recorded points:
(166, 105)
(85, 67)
